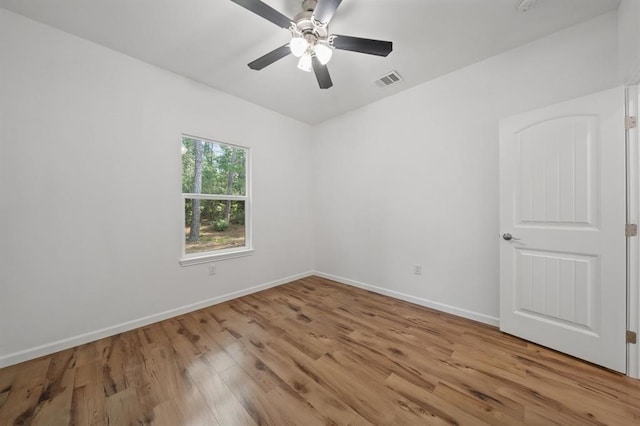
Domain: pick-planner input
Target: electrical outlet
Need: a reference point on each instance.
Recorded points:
(417, 269)
(212, 269)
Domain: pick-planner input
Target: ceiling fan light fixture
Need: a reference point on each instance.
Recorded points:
(298, 46)
(305, 62)
(323, 52)
(310, 41)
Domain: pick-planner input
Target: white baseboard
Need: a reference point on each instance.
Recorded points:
(464, 313)
(49, 348)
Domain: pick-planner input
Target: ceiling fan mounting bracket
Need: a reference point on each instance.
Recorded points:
(309, 5)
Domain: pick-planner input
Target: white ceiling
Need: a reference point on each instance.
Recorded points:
(211, 41)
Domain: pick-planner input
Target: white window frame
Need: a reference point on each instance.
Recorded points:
(230, 253)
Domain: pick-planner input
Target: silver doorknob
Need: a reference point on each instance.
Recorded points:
(509, 237)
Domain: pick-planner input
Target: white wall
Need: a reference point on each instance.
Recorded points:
(413, 179)
(629, 41)
(90, 203)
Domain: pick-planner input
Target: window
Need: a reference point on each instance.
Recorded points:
(216, 202)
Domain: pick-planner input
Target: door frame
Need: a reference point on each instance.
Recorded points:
(632, 138)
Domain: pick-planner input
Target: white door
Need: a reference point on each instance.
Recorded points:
(562, 200)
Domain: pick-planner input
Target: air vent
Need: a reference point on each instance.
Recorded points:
(388, 79)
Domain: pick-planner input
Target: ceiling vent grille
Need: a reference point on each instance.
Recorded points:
(388, 79)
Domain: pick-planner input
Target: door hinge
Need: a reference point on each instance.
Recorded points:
(630, 122)
(631, 337)
(630, 230)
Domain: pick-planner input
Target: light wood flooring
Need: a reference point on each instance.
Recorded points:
(314, 352)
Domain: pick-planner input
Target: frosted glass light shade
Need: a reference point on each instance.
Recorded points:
(305, 62)
(298, 46)
(323, 52)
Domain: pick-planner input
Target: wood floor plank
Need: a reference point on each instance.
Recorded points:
(364, 399)
(242, 357)
(123, 408)
(314, 352)
(114, 365)
(221, 401)
(439, 408)
(290, 368)
(182, 341)
(480, 405)
(55, 400)
(88, 395)
(207, 345)
(175, 412)
(253, 398)
(83, 408)
(299, 411)
(21, 404)
(136, 376)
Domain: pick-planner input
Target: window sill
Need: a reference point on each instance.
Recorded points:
(214, 257)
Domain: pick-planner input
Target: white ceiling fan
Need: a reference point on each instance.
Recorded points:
(310, 37)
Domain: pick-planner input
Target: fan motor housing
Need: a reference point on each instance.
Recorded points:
(304, 23)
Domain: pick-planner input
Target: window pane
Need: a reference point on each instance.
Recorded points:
(212, 168)
(213, 225)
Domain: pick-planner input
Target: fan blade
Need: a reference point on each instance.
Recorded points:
(363, 45)
(325, 9)
(265, 11)
(270, 57)
(322, 73)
